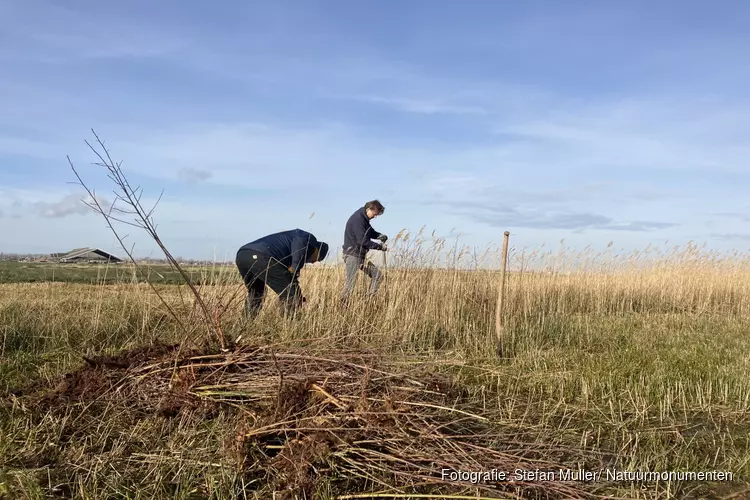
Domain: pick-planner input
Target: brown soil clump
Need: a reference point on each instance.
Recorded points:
(133, 357)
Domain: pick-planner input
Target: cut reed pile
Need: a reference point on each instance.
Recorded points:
(351, 421)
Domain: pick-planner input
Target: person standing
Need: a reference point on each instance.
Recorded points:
(358, 236)
(276, 261)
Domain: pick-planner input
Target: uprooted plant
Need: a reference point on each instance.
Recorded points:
(143, 219)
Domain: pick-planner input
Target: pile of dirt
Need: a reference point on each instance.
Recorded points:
(107, 379)
(345, 421)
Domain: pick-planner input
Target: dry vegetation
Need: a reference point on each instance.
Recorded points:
(634, 362)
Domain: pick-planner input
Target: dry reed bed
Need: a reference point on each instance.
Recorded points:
(426, 309)
(676, 288)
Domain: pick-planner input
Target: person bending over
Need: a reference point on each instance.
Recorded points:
(276, 261)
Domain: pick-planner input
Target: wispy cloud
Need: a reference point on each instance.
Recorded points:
(194, 174)
(471, 191)
(732, 236)
(426, 107)
(636, 134)
(638, 225)
(490, 203)
(742, 216)
(195, 227)
(259, 155)
(53, 33)
(71, 204)
(18, 146)
(510, 217)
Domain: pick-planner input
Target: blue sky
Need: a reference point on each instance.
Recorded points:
(588, 121)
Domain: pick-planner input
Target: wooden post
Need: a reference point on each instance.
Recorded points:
(385, 276)
(499, 328)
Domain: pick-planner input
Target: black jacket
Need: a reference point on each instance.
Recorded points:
(291, 248)
(358, 235)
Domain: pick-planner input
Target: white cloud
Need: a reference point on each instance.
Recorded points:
(69, 205)
(51, 204)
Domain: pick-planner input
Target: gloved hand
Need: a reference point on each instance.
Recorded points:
(383, 247)
(383, 238)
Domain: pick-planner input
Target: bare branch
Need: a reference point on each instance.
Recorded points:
(143, 220)
(155, 204)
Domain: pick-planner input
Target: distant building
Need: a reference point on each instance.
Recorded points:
(93, 255)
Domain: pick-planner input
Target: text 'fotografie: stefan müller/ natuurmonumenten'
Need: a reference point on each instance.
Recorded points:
(494, 475)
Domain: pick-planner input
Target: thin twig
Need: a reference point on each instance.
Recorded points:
(132, 197)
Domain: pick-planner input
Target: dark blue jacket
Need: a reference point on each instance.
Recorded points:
(358, 235)
(291, 247)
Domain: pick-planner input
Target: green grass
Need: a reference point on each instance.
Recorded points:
(52, 272)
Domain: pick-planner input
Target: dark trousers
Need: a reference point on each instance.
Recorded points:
(258, 271)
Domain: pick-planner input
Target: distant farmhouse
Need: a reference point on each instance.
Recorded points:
(88, 255)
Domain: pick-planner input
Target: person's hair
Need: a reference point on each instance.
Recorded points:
(375, 205)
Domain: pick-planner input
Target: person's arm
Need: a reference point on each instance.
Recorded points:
(360, 230)
(372, 234)
(299, 252)
(368, 235)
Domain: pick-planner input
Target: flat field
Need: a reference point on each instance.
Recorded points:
(94, 274)
(630, 365)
